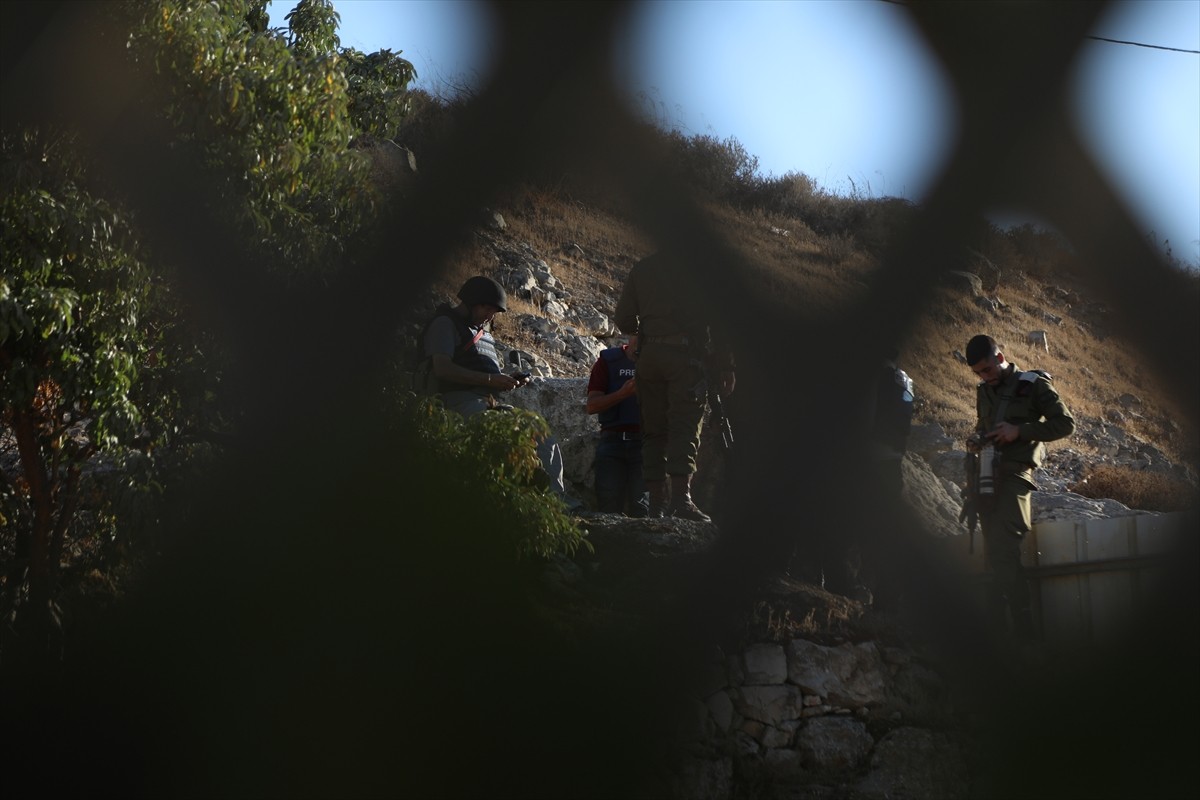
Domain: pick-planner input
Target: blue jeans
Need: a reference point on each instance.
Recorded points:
(619, 487)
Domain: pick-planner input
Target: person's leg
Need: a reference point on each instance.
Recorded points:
(652, 400)
(550, 453)
(635, 486)
(685, 414)
(466, 403)
(610, 484)
(1003, 530)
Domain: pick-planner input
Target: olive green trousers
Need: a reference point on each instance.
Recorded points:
(667, 377)
(1003, 529)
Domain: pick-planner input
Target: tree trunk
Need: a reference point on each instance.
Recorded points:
(33, 622)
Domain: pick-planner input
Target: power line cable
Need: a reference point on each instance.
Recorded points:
(1143, 44)
(1097, 38)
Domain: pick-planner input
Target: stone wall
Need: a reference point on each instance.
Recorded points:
(803, 719)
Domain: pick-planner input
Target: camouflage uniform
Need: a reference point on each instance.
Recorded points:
(673, 340)
(1035, 407)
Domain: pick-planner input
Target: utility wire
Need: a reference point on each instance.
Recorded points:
(1097, 38)
(1142, 44)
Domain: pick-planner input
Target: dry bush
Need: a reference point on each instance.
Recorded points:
(1145, 491)
(797, 196)
(720, 168)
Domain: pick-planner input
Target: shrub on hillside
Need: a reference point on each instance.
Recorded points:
(429, 121)
(483, 473)
(871, 223)
(1146, 491)
(721, 168)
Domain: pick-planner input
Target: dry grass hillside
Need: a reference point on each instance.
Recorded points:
(1030, 283)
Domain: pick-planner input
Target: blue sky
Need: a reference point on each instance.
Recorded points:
(844, 91)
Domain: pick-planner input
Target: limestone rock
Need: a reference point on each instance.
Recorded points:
(949, 465)
(926, 494)
(928, 438)
(849, 675)
(770, 705)
(965, 281)
(766, 664)
(1049, 506)
(720, 708)
(916, 763)
(833, 743)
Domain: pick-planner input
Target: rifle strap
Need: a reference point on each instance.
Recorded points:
(1001, 408)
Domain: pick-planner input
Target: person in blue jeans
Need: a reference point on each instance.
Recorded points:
(612, 396)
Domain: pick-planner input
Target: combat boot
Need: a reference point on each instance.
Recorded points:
(681, 500)
(658, 498)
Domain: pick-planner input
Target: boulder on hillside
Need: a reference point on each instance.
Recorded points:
(561, 402)
(1050, 506)
(949, 465)
(967, 282)
(928, 438)
(927, 495)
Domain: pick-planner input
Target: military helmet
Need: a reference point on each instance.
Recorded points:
(482, 290)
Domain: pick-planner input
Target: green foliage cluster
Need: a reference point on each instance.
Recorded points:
(74, 299)
(275, 118)
(111, 392)
(378, 88)
(70, 297)
(489, 463)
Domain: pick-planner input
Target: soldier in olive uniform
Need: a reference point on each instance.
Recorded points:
(1016, 412)
(673, 344)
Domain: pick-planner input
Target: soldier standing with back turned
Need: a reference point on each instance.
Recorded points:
(674, 347)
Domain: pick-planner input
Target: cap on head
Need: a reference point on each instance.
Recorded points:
(979, 348)
(482, 290)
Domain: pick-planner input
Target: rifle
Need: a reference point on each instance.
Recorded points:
(979, 495)
(709, 391)
(970, 498)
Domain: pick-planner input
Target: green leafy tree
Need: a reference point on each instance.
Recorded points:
(313, 28)
(270, 121)
(72, 293)
(378, 87)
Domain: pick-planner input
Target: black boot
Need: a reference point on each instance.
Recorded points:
(658, 498)
(681, 500)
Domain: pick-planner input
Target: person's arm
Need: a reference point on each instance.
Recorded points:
(445, 369)
(1058, 422)
(598, 401)
(440, 342)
